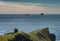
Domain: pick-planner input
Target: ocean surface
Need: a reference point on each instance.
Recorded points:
(28, 23)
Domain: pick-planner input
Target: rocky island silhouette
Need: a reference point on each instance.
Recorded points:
(37, 35)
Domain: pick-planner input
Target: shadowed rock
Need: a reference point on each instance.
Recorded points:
(53, 37)
(21, 37)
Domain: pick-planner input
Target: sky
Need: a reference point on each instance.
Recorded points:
(29, 6)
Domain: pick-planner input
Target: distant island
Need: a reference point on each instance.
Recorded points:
(37, 35)
(42, 14)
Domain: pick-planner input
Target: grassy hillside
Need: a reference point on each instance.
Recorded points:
(37, 35)
(40, 35)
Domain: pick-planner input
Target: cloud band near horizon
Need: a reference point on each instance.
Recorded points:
(29, 6)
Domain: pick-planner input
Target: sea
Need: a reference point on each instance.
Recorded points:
(30, 22)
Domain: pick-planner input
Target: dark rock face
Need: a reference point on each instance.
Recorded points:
(21, 37)
(53, 37)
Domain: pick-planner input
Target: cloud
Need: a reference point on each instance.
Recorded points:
(23, 8)
(7, 7)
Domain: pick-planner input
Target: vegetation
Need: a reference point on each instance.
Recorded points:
(37, 35)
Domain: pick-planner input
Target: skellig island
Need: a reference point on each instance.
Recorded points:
(37, 35)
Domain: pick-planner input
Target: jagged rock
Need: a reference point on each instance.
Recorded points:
(42, 35)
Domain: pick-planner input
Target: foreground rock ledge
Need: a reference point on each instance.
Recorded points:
(37, 35)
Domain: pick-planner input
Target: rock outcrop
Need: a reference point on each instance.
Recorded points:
(42, 35)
